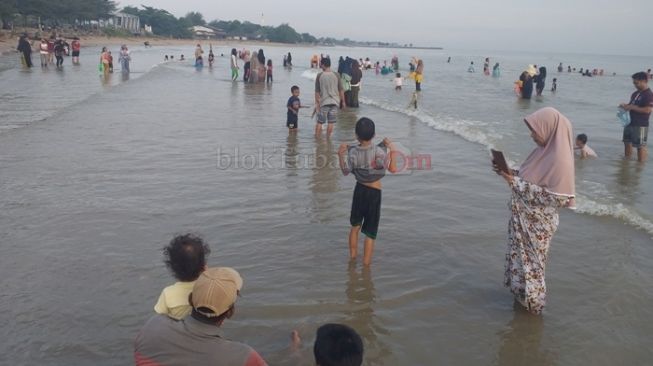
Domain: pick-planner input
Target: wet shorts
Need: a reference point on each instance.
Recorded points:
(366, 209)
(635, 135)
(75, 53)
(328, 113)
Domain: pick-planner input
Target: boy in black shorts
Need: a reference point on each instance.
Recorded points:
(368, 163)
(293, 106)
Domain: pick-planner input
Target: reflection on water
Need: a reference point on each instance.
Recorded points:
(627, 176)
(521, 342)
(323, 180)
(291, 155)
(360, 311)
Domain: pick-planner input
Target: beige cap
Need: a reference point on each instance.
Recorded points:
(531, 70)
(216, 289)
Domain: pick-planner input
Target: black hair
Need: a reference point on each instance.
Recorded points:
(398, 75)
(234, 52)
(185, 256)
(640, 76)
(582, 138)
(338, 345)
(269, 62)
(365, 129)
(326, 62)
(293, 88)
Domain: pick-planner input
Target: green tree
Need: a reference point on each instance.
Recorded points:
(195, 18)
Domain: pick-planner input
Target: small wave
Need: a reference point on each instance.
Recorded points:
(471, 131)
(310, 74)
(468, 130)
(616, 210)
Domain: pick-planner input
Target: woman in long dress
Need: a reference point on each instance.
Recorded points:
(261, 65)
(124, 59)
(540, 188)
(253, 68)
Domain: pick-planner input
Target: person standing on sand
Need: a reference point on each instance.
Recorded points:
(640, 106)
(540, 188)
(25, 48)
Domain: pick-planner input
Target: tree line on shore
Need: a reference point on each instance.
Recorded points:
(60, 13)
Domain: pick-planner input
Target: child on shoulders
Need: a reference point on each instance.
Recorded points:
(185, 256)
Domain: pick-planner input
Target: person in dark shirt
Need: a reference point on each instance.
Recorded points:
(25, 48)
(293, 106)
(356, 76)
(640, 106)
(527, 85)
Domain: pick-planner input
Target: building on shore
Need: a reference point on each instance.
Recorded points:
(128, 22)
(203, 32)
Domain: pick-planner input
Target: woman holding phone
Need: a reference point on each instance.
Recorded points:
(543, 184)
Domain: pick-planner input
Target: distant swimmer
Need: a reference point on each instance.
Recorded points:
(496, 71)
(471, 67)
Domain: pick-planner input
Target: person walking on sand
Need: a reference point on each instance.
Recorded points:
(640, 106)
(540, 188)
(329, 95)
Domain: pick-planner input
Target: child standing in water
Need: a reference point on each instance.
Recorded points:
(368, 164)
(398, 81)
(555, 85)
(268, 72)
(293, 105)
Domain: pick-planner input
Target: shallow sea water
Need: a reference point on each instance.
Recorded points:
(96, 176)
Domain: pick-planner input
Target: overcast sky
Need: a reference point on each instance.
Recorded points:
(583, 26)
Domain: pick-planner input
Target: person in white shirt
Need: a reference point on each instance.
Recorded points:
(398, 81)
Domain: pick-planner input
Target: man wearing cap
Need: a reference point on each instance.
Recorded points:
(196, 340)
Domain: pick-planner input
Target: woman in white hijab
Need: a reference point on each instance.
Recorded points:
(543, 184)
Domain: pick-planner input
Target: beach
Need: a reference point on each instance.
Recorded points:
(99, 173)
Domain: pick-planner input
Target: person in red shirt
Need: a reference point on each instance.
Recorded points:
(76, 46)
